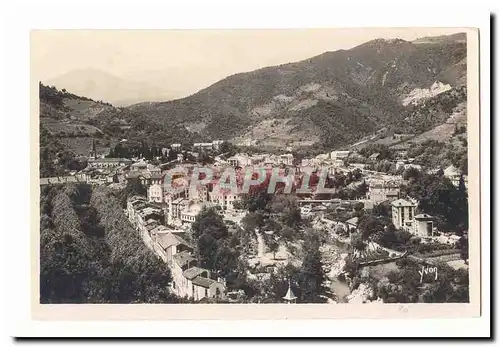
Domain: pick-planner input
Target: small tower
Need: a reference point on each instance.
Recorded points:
(290, 296)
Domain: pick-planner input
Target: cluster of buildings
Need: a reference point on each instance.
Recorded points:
(188, 279)
(214, 145)
(182, 206)
(264, 160)
(379, 192)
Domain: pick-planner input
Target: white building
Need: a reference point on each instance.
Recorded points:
(286, 159)
(216, 144)
(423, 225)
(102, 163)
(175, 147)
(403, 212)
(240, 160)
(453, 174)
(223, 198)
(155, 193)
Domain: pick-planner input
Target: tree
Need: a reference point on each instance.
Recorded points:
(207, 251)
(411, 173)
(311, 275)
(381, 210)
(226, 261)
(210, 222)
(256, 200)
(462, 204)
(273, 246)
(211, 236)
(253, 221)
(286, 207)
(438, 197)
(463, 245)
(228, 149)
(133, 187)
(369, 225)
(392, 238)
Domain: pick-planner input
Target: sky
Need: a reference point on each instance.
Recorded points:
(192, 59)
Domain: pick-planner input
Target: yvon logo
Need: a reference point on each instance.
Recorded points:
(428, 270)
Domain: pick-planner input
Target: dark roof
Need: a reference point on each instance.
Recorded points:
(193, 272)
(170, 239)
(402, 202)
(203, 282)
(183, 258)
(423, 216)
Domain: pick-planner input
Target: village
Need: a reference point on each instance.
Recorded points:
(163, 218)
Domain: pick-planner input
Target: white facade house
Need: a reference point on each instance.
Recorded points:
(223, 199)
(423, 225)
(403, 212)
(155, 193)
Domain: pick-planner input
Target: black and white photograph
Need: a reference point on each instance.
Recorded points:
(315, 166)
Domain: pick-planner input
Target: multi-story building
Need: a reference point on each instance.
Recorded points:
(155, 193)
(423, 225)
(240, 160)
(188, 280)
(223, 198)
(403, 212)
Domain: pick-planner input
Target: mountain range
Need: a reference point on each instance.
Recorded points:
(101, 85)
(329, 100)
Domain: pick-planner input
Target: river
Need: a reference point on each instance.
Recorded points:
(340, 289)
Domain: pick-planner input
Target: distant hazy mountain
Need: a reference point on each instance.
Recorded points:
(100, 85)
(332, 99)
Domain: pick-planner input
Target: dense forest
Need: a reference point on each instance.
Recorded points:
(90, 253)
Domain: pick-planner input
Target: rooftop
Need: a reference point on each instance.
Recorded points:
(352, 221)
(193, 272)
(169, 239)
(423, 216)
(183, 258)
(140, 163)
(403, 203)
(203, 282)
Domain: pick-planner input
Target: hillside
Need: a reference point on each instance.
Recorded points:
(69, 123)
(329, 100)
